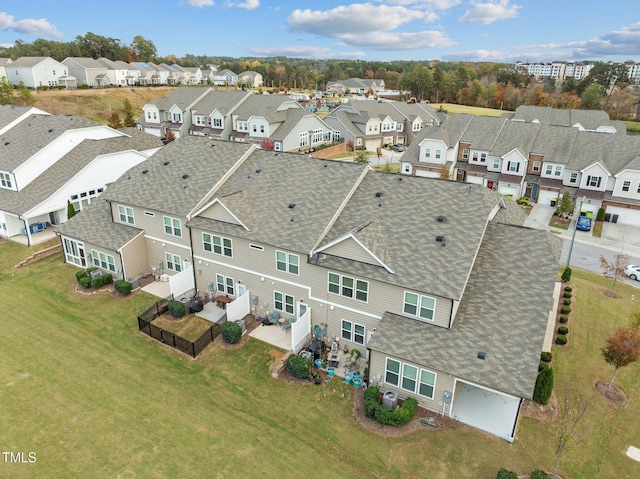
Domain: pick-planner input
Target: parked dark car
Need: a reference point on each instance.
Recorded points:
(397, 147)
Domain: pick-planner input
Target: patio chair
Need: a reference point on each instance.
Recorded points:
(287, 324)
(274, 317)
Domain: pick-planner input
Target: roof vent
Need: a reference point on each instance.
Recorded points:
(324, 166)
(184, 177)
(258, 170)
(482, 355)
(441, 219)
(212, 145)
(165, 163)
(291, 219)
(50, 130)
(378, 194)
(144, 172)
(292, 205)
(275, 154)
(440, 239)
(399, 179)
(6, 143)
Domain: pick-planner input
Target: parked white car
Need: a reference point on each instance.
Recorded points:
(633, 272)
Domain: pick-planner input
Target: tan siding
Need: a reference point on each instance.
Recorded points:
(217, 212)
(349, 248)
(444, 382)
(134, 256)
(88, 247)
(153, 226)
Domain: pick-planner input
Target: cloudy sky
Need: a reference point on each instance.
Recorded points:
(482, 30)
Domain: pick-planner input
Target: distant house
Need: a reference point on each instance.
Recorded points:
(250, 79)
(117, 72)
(212, 114)
(36, 72)
(88, 71)
(356, 86)
(3, 67)
(224, 78)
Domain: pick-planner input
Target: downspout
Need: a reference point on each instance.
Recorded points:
(193, 261)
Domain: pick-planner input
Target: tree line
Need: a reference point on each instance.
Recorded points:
(491, 85)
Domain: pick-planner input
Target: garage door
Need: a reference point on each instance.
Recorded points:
(372, 145)
(545, 196)
(508, 191)
(487, 409)
(625, 215)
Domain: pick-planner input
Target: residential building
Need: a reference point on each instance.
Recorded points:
(47, 161)
(356, 86)
(558, 71)
(37, 72)
(117, 72)
(211, 115)
(250, 79)
(3, 67)
(87, 71)
(399, 268)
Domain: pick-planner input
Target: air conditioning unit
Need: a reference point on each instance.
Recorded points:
(95, 274)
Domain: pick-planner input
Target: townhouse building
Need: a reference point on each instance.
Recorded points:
(397, 267)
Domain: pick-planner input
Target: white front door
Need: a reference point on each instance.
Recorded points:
(302, 308)
(241, 289)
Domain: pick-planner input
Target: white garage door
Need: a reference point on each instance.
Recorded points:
(545, 196)
(372, 145)
(428, 174)
(478, 180)
(508, 191)
(625, 215)
(486, 409)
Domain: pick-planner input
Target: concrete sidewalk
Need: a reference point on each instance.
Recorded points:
(617, 237)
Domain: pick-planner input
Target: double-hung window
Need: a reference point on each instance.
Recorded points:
(419, 305)
(126, 214)
(465, 154)
(217, 244)
(352, 332)
(349, 287)
(427, 153)
(427, 384)
(225, 284)
(594, 181)
(409, 377)
(172, 226)
(392, 372)
(626, 185)
(173, 262)
(287, 262)
(5, 180)
(283, 302)
(102, 260)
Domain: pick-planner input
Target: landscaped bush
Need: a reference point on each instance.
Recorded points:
(564, 319)
(374, 410)
(539, 474)
(544, 386)
(565, 310)
(546, 356)
(298, 366)
(123, 287)
(568, 288)
(563, 330)
(506, 474)
(561, 339)
(61, 87)
(81, 274)
(566, 294)
(83, 86)
(107, 279)
(85, 281)
(231, 332)
(91, 269)
(599, 217)
(566, 302)
(566, 275)
(177, 309)
(97, 282)
(542, 366)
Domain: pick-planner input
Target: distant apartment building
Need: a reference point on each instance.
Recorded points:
(633, 70)
(559, 71)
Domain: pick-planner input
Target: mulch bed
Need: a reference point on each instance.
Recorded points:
(110, 288)
(613, 394)
(250, 324)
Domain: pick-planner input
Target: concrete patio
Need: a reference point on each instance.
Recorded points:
(273, 335)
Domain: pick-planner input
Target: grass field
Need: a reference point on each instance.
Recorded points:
(93, 397)
(471, 110)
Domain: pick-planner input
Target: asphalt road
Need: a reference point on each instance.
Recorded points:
(587, 257)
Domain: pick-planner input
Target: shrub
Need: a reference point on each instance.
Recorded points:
(566, 275)
(539, 474)
(566, 294)
(561, 340)
(563, 330)
(374, 410)
(565, 310)
(599, 217)
(43, 88)
(61, 87)
(568, 288)
(546, 357)
(566, 302)
(506, 474)
(544, 386)
(81, 274)
(83, 86)
(107, 279)
(91, 269)
(542, 366)
(123, 287)
(85, 281)
(97, 282)
(298, 366)
(564, 319)
(177, 309)
(231, 332)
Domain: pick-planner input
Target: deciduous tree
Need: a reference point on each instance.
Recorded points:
(567, 431)
(621, 349)
(615, 268)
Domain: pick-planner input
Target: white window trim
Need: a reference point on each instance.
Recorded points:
(124, 211)
(288, 264)
(174, 260)
(419, 306)
(285, 303)
(213, 245)
(228, 284)
(351, 329)
(354, 287)
(174, 231)
(109, 260)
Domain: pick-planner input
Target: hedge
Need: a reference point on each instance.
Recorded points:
(546, 356)
(374, 410)
(506, 474)
(539, 474)
(123, 287)
(177, 309)
(298, 366)
(565, 310)
(564, 319)
(567, 294)
(563, 330)
(544, 386)
(561, 340)
(566, 275)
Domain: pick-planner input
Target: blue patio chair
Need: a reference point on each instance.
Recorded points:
(274, 317)
(286, 325)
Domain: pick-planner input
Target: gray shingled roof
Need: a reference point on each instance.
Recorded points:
(95, 225)
(182, 97)
(410, 110)
(223, 101)
(379, 110)
(450, 131)
(46, 184)
(515, 135)
(394, 229)
(9, 113)
(261, 200)
(27, 62)
(495, 316)
(260, 105)
(483, 131)
(590, 119)
(292, 118)
(86, 62)
(32, 134)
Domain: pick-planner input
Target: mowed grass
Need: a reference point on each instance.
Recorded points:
(93, 397)
(452, 109)
(189, 327)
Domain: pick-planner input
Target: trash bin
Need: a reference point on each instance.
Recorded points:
(614, 219)
(553, 202)
(607, 217)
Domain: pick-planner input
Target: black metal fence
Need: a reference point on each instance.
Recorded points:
(192, 348)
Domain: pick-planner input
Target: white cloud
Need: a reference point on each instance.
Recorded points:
(399, 41)
(302, 51)
(201, 3)
(30, 26)
(357, 19)
(498, 56)
(490, 12)
(248, 4)
(434, 4)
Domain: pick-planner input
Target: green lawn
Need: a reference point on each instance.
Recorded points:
(189, 327)
(93, 397)
(452, 108)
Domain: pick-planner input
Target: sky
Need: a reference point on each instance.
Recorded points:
(382, 30)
